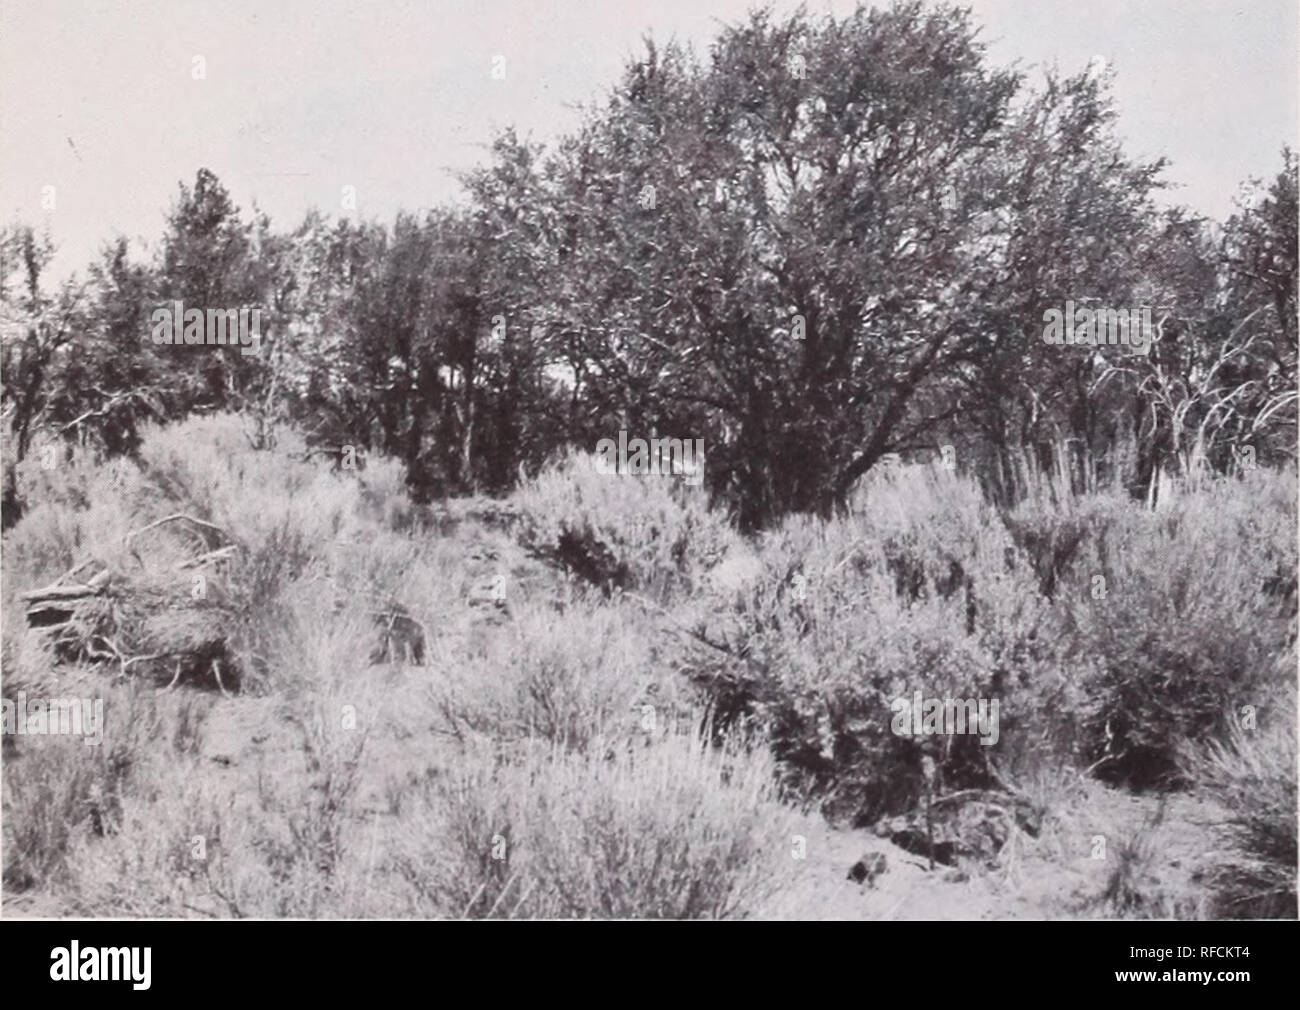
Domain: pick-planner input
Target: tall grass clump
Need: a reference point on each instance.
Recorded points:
(278, 831)
(1252, 777)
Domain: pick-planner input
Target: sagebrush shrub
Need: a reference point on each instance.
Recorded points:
(279, 517)
(616, 531)
(816, 650)
(1173, 611)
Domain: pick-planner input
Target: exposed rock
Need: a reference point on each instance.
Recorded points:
(868, 868)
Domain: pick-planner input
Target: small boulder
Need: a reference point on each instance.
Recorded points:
(868, 868)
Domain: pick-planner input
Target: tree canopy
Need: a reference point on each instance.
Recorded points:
(823, 242)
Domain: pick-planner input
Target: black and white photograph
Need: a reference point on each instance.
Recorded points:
(704, 460)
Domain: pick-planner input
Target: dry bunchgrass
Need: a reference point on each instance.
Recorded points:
(62, 793)
(569, 678)
(675, 829)
(1252, 775)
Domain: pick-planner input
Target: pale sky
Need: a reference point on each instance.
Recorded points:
(98, 97)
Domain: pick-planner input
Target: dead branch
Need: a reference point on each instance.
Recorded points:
(220, 554)
(179, 517)
(216, 670)
(51, 593)
(100, 411)
(74, 569)
(696, 634)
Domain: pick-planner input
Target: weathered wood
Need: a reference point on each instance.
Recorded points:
(56, 591)
(179, 517)
(220, 554)
(61, 593)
